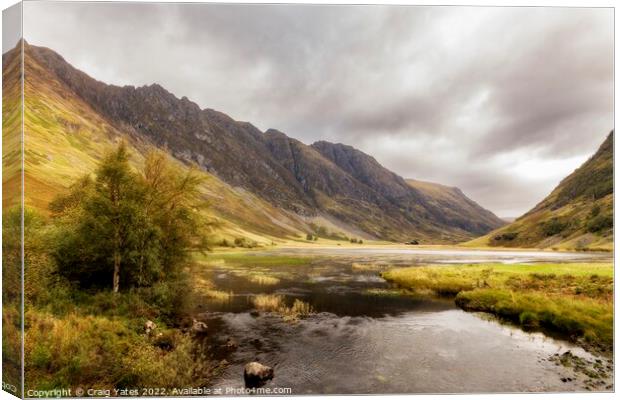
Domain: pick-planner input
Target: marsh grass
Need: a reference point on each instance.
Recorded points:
(572, 299)
(367, 266)
(268, 302)
(263, 280)
(206, 288)
(275, 303)
(299, 309)
(247, 258)
(384, 292)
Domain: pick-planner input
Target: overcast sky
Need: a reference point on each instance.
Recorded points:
(501, 102)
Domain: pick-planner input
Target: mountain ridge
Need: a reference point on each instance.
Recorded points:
(336, 181)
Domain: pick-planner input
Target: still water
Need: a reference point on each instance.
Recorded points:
(366, 338)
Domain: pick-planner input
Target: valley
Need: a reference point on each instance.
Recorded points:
(314, 259)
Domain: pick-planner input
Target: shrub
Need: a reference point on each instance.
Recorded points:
(507, 236)
(246, 243)
(554, 226)
(600, 223)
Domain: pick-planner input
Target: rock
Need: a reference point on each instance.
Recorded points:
(256, 374)
(231, 344)
(199, 327)
(149, 327)
(255, 313)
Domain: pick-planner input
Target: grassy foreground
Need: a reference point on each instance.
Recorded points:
(572, 299)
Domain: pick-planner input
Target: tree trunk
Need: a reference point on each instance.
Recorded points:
(117, 272)
(116, 279)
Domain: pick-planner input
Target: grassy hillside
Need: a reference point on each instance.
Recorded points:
(66, 138)
(577, 215)
(11, 129)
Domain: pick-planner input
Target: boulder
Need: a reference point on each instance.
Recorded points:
(149, 327)
(256, 374)
(199, 327)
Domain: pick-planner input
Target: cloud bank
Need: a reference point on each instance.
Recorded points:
(501, 102)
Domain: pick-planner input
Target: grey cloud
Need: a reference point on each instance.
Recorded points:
(11, 27)
(461, 87)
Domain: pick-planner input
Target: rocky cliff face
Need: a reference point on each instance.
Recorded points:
(325, 179)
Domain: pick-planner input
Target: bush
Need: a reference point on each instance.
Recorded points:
(554, 226)
(600, 223)
(246, 243)
(507, 236)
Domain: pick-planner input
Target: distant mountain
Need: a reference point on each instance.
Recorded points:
(286, 187)
(457, 208)
(577, 214)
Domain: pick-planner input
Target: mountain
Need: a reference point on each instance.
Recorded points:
(66, 138)
(577, 214)
(265, 184)
(457, 207)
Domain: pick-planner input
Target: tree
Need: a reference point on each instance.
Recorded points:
(173, 203)
(137, 228)
(113, 189)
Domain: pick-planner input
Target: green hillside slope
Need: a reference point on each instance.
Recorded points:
(578, 214)
(66, 138)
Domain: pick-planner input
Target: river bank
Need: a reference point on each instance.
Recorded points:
(572, 299)
(358, 334)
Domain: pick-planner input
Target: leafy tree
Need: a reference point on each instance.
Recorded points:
(172, 201)
(136, 228)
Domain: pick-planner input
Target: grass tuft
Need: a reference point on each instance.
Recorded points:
(275, 303)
